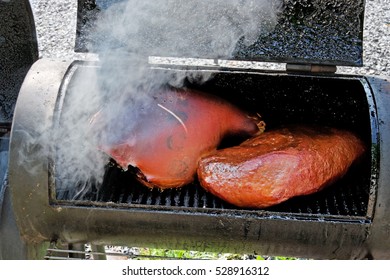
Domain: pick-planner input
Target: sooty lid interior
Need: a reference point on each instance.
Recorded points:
(295, 31)
(317, 31)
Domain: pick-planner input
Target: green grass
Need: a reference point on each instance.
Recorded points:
(150, 253)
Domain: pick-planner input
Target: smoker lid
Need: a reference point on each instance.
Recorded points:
(327, 32)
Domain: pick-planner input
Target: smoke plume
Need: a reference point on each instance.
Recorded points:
(126, 34)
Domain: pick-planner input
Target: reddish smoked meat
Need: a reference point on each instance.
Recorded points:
(166, 137)
(277, 165)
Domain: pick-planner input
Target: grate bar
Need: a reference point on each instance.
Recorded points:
(347, 197)
(61, 258)
(51, 255)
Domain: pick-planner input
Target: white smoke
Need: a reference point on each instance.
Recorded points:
(137, 29)
(128, 33)
(188, 28)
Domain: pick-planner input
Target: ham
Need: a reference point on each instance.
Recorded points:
(279, 164)
(165, 138)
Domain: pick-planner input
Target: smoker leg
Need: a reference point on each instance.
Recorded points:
(11, 244)
(98, 252)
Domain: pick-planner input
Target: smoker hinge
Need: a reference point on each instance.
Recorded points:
(311, 68)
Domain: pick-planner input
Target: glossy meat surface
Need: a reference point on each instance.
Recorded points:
(168, 135)
(280, 164)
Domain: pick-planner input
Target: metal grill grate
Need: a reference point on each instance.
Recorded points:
(347, 197)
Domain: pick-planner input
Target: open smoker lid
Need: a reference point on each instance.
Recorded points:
(327, 32)
(315, 32)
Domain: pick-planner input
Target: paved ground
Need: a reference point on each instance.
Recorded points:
(56, 25)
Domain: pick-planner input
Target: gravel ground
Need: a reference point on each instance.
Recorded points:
(376, 36)
(56, 25)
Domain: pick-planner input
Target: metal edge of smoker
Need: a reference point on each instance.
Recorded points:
(27, 186)
(379, 237)
(41, 221)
